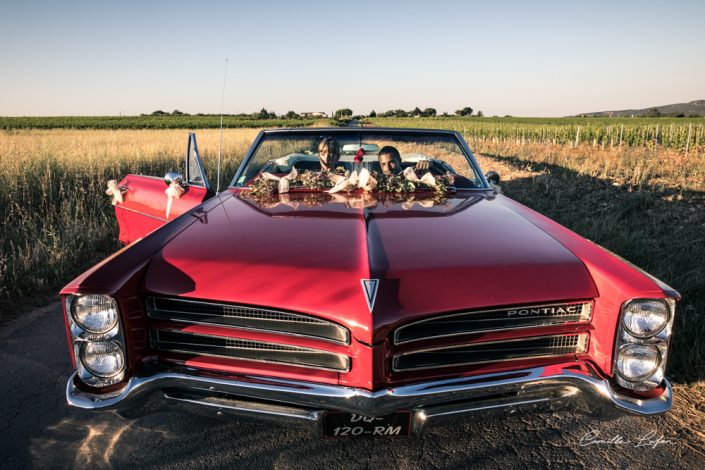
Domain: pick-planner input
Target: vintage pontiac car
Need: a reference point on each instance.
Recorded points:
(324, 289)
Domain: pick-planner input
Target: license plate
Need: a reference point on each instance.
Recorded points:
(337, 424)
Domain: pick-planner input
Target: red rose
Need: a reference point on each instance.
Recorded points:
(359, 154)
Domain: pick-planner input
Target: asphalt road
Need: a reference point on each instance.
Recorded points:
(40, 431)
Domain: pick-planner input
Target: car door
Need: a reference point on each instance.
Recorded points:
(145, 201)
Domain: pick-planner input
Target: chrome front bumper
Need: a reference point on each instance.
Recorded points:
(570, 386)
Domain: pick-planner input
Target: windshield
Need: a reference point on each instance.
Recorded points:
(338, 162)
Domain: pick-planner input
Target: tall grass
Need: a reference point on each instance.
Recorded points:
(58, 219)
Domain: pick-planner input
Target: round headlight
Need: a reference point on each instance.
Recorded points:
(102, 358)
(645, 318)
(637, 362)
(95, 313)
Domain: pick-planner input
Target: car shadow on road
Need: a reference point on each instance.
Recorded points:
(658, 228)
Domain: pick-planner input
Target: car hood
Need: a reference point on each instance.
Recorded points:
(309, 253)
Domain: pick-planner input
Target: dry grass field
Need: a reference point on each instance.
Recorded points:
(57, 218)
(645, 203)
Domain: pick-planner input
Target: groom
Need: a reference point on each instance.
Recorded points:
(390, 161)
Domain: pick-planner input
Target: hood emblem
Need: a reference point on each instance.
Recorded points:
(369, 287)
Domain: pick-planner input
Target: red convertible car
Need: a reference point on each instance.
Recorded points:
(363, 282)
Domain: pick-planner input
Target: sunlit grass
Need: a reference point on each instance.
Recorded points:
(58, 219)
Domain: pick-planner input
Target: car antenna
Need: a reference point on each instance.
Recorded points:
(220, 144)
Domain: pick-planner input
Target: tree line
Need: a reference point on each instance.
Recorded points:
(347, 113)
(340, 114)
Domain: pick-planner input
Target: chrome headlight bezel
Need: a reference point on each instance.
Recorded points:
(626, 348)
(91, 377)
(81, 336)
(80, 330)
(659, 339)
(656, 331)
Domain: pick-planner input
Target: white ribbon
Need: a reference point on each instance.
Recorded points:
(425, 203)
(362, 179)
(174, 191)
(364, 201)
(426, 179)
(114, 191)
(284, 181)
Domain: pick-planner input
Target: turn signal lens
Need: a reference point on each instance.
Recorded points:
(102, 358)
(637, 362)
(95, 313)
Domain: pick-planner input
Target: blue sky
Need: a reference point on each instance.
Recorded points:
(501, 57)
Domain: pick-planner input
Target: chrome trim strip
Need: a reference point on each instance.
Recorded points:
(341, 357)
(152, 306)
(472, 312)
(427, 399)
(141, 213)
(580, 347)
(245, 408)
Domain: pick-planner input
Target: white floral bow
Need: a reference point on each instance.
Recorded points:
(284, 181)
(426, 179)
(174, 191)
(114, 191)
(362, 179)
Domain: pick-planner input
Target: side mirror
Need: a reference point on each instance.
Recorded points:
(172, 176)
(492, 177)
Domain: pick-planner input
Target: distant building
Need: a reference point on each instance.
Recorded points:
(313, 114)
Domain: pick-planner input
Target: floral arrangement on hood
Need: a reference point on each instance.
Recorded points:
(341, 181)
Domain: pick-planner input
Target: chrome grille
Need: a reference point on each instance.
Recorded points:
(245, 317)
(237, 348)
(508, 318)
(478, 353)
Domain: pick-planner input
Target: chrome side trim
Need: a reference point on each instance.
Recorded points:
(140, 213)
(571, 385)
(527, 321)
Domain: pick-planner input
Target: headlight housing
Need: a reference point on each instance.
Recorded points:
(95, 314)
(103, 359)
(98, 343)
(645, 318)
(643, 337)
(637, 362)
